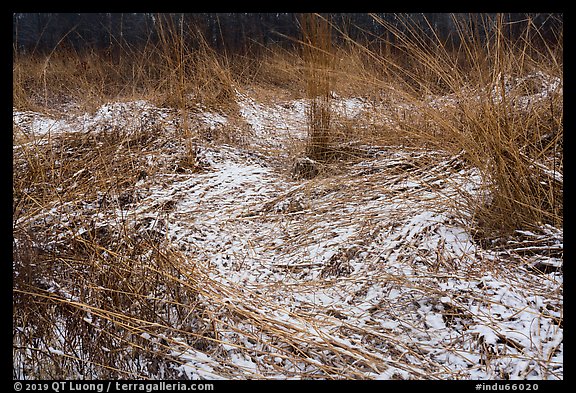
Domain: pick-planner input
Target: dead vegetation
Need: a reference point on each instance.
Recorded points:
(152, 243)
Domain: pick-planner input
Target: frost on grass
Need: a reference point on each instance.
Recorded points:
(370, 273)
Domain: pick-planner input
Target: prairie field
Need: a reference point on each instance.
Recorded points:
(329, 210)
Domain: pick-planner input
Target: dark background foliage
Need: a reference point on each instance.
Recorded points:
(233, 32)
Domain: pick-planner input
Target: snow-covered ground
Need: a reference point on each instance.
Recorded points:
(371, 272)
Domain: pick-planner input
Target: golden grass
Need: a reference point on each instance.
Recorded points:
(108, 302)
(500, 101)
(319, 60)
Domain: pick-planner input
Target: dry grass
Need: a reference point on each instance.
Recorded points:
(124, 303)
(497, 99)
(319, 60)
(100, 294)
(82, 81)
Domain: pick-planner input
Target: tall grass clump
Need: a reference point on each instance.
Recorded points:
(318, 60)
(496, 97)
(192, 71)
(194, 75)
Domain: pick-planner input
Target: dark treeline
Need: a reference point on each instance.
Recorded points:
(240, 32)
